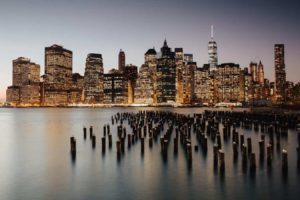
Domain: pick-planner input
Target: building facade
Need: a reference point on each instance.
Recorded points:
(166, 76)
(121, 63)
(115, 88)
(212, 52)
(280, 74)
(58, 75)
(25, 90)
(93, 79)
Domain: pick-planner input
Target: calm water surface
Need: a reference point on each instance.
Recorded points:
(35, 163)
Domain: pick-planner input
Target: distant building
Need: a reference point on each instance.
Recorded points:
(280, 73)
(25, 90)
(115, 88)
(145, 92)
(166, 75)
(228, 82)
(75, 94)
(253, 71)
(122, 62)
(188, 74)
(58, 75)
(260, 73)
(204, 85)
(212, 52)
(93, 79)
(179, 61)
(188, 57)
(131, 75)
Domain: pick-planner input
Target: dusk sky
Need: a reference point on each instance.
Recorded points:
(244, 30)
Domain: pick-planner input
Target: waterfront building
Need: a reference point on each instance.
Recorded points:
(188, 82)
(58, 75)
(25, 90)
(204, 85)
(75, 94)
(228, 82)
(166, 76)
(122, 62)
(145, 92)
(130, 75)
(115, 88)
(93, 79)
(280, 74)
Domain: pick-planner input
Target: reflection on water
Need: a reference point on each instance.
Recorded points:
(36, 162)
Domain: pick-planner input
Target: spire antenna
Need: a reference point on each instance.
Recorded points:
(212, 31)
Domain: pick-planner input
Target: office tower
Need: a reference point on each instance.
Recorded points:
(188, 74)
(253, 71)
(121, 60)
(93, 79)
(188, 57)
(228, 82)
(166, 76)
(280, 74)
(145, 92)
(212, 52)
(115, 88)
(203, 85)
(130, 75)
(58, 75)
(25, 90)
(75, 94)
(179, 60)
(260, 73)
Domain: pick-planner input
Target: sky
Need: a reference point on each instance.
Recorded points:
(245, 31)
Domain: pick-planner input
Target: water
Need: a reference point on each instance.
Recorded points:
(35, 163)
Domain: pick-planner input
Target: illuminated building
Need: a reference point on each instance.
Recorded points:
(204, 85)
(58, 75)
(179, 56)
(280, 74)
(130, 74)
(146, 81)
(260, 73)
(228, 82)
(115, 88)
(25, 90)
(212, 52)
(93, 79)
(166, 76)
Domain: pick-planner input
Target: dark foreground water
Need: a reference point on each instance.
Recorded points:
(35, 163)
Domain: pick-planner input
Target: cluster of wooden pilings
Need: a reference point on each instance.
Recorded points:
(211, 129)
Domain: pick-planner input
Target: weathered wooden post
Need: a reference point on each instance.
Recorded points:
(284, 160)
(84, 132)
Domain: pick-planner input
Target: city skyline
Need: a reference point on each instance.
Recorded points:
(241, 41)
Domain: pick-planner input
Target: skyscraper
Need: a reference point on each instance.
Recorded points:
(121, 60)
(93, 79)
(130, 75)
(58, 75)
(212, 52)
(280, 74)
(260, 73)
(146, 82)
(253, 71)
(166, 75)
(115, 88)
(179, 59)
(26, 83)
